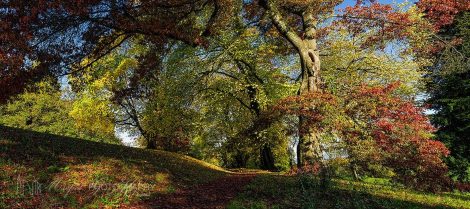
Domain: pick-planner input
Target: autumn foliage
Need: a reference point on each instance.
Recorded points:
(40, 38)
(314, 107)
(402, 134)
(380, 128)
(443, 12)
(383, 23)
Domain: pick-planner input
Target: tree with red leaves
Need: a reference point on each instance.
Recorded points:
(443, 12)
(299, 23)
(383, 134)
(398, 135)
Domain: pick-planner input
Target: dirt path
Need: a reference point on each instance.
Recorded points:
(215, 194)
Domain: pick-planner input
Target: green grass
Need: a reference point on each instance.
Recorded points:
(280, 191)
(47, 171)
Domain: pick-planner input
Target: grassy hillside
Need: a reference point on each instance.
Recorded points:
(47, 171)
(44, 171)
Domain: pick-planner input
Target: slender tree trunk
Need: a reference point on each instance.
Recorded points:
(151, 143)
(354, 171)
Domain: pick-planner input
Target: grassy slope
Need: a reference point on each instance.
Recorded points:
(44, 171)
(47, 171)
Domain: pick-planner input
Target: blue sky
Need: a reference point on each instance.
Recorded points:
(352, 2)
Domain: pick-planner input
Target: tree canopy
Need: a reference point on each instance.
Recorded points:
(261, 83)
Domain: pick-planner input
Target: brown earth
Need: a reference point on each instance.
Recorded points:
(212, 195)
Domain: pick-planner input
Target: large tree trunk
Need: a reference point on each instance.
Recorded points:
(266, 154)
(309, 144)
(308, 150)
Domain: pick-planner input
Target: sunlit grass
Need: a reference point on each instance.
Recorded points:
(47, 171)
(451, 199)
(278, 191)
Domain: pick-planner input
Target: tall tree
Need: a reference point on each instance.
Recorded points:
(300, 23)
(449, 88)
(114, 85)
(306, 45)
(243, 75)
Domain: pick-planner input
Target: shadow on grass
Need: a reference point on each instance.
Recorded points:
(360, 199)
(459, 196)
(47, 158)
(277, 191)
(22, 146)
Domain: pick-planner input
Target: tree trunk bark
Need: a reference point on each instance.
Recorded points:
(309, 143)
(241, 159)
(308, 150)
(266, 154)
(354, 171)
(151, 144)
(267, 158)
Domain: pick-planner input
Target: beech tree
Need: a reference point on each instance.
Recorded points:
(238, 81)
(300, 23)
(47, 37)
(306, 46)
